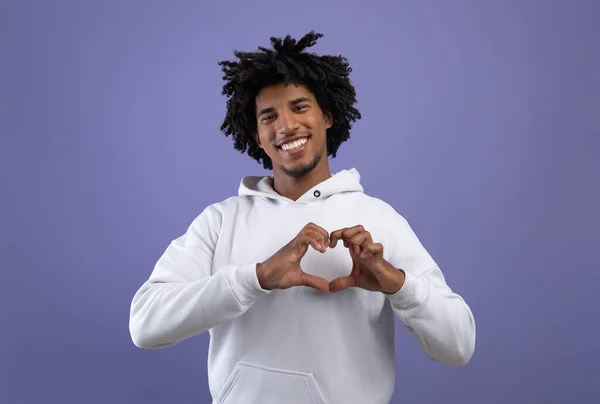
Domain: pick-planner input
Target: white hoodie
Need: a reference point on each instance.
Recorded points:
(299, 345)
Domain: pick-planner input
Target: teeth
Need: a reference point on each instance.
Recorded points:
(294, 145)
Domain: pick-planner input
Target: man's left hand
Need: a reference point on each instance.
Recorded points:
(369, 270)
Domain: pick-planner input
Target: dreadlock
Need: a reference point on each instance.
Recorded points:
(326, 76)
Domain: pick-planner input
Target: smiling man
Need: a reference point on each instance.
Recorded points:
(299, 278)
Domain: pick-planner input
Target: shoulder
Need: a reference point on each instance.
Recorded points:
(383, 218)
(379, 208)
(209, 222)
(216, 211)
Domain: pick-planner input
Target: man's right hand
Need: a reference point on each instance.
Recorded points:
(282, 270)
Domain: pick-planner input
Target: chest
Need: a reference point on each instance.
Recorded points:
(257, 234)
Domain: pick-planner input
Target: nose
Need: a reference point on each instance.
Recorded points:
(286, 123)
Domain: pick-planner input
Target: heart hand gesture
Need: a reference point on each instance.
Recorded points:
(369, 270)
(283, 270)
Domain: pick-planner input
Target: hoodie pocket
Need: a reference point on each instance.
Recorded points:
(249, 384)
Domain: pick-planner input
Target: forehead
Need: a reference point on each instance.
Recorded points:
(278, 94)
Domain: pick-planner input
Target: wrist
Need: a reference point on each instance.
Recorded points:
(260, 275)
(413, 293)
(395, 279)
(244, 284)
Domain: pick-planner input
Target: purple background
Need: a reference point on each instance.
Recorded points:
(480, 125)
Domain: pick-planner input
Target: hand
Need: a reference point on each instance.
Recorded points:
(282, 270)
(369, 270)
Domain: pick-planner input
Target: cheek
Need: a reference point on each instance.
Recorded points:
(262, 139)
(265, 142)
(319, 122)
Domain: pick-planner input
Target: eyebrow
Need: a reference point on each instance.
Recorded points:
(295, 101)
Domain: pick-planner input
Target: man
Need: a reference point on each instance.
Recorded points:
(298, 279)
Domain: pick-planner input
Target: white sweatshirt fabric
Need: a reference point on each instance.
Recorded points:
(299, 345)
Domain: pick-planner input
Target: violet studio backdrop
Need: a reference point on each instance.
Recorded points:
(480, 126)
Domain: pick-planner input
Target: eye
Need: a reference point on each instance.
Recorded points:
(266, 118)
(301, 107)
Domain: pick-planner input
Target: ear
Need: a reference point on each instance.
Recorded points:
(328, 120)
(255, 134)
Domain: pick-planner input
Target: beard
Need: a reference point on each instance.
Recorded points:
(301, 171)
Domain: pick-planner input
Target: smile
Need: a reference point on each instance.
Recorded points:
(294, 145)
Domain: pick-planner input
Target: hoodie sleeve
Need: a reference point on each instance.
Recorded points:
(439, 319)
(183, 297)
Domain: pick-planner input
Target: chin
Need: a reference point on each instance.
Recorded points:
(299, 170)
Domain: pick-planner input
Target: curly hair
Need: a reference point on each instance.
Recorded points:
(326, 76)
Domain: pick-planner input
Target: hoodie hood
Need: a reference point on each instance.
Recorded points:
(341, 182)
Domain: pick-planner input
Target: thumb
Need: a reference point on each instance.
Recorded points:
(314, 281)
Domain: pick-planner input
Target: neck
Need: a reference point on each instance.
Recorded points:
(294, 187)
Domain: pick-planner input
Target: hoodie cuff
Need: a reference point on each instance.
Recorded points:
(245, 286)
(412, 293)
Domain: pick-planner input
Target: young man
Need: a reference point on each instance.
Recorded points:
(298, 279)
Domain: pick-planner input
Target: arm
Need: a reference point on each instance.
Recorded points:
(182, 298)
(439, 319)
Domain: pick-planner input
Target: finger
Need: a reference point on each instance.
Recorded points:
(375, 248)
(321, 239)
(335, 237)
(318, 229)
(347, 233)
(362, 239)
(309, 239)
(352, 231)
(305, 240)
(315, 282)
(354, 249)
(322, 236)
(342, 283)
(371, 249)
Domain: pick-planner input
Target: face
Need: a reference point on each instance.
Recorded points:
(291, 128)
